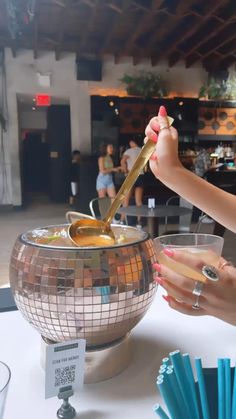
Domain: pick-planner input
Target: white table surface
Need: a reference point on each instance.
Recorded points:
(131, 394)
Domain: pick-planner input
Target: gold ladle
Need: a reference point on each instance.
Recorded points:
(98, 232)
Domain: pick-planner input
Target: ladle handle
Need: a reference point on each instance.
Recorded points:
(139, 164)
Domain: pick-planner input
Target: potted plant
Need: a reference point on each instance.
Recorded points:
(219, 89)
(145, 84)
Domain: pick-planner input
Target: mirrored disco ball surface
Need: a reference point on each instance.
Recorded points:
(67, 292)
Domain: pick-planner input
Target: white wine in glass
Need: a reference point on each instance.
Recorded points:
(205, 247)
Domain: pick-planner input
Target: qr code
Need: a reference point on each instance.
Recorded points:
(64, 376)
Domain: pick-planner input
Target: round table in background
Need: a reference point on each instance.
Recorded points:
(153, 214)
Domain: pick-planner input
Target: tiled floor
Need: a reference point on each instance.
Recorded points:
(41, 213)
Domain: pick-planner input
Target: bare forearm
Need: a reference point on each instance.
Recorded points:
(219, 204)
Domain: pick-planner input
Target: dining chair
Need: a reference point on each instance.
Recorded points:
(215, 228)
(184, 220)
(72, 216)
(99, 206)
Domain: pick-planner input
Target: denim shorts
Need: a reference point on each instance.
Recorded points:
(104, 181)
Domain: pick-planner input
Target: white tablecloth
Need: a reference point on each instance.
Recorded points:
(130, 395)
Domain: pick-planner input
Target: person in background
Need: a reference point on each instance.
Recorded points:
(218, 298)
(104, 184)
(202, 164)
(74, 176)
(127, 161)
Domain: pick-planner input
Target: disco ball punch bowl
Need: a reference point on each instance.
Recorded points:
(98, 294)
(94, 293)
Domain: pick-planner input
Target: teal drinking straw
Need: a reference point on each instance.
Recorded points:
(171, 377)
(221, 389)
(162, 369)
(202, 389)
(234, 396)
(189, 372)
(227, 388)
(168, 396)
(166, 361)
(182, 379)
(160, 412)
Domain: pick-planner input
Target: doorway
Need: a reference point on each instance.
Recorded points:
(35, 164)
(45, 150)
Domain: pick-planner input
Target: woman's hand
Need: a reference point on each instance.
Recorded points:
(117, 169)
(165, 159)
(217, 299)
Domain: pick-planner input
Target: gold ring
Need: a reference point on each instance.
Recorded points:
(164, 127)
(225, 264)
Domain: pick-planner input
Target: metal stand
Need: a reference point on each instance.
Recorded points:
(66, 411)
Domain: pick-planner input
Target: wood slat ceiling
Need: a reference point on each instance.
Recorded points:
(172, 30)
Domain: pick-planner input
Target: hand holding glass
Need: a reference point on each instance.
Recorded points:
(203, 247)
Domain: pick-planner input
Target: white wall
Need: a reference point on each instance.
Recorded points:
(22, 79)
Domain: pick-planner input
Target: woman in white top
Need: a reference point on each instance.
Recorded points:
(127, 162)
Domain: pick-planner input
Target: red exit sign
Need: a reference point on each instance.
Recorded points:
(43, 100)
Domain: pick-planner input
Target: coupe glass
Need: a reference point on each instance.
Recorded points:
(206, 247)
(5, 375)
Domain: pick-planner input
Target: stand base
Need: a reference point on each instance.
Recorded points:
(101, 363)
(66, 412)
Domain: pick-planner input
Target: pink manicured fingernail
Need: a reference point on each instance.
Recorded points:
(168, 252)
(157, 267)
(162, 111)
(153, 157)
(153, 136)
(159, 280)
(166, 298)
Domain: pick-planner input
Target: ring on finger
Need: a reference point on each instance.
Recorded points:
(164, 127)
(196, 306)
(225, 264)
(210, 273)
(197, 290)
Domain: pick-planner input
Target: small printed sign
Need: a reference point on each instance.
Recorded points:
(65, 365)
(151, 203)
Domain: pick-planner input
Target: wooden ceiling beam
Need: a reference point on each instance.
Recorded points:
(89, 3)
(35, 45)
(220, 19)
(59, 3)
(165, 29)
(139, 6)
(62, 27)
(190, 61)
(36, 30)
(114, 23)
(219, 63)
(194, 28)
(89, 27)
(114, 7)
(231, 50)
(143, 23)
(212, 35)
